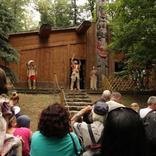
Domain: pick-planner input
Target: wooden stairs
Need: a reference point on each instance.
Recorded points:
(76, 100)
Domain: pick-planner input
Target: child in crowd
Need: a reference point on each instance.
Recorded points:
(14, 103)
(9, 144)
(23, 132)
(23, 121)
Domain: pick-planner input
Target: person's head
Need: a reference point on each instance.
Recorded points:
(87, 117)
(152, 102)
(116, 96)
(5, 107)
(76, 61)
(12, 121)
(135, 106)
(3, 82)
(123, 134)
(99, 111)
(23, 121)
(54, 121)
(93, 67)
(106, 95)
(14, 98)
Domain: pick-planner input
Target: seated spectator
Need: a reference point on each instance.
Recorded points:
(135, 106)
(151, 106)
(123, 135)
(24, 133)
(53, 136)
(8, 143)
(14, 103)
(14, 99)
(89, 134)
(23, 121)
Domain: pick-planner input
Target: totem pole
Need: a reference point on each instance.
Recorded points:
(101, 36)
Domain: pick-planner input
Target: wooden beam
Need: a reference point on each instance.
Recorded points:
(83, 27)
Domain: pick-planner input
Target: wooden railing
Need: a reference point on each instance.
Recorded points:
(117, 83)
(61, 91)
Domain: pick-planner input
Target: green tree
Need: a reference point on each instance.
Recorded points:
(65, 13)
(133, 25)
(19, 9)
(92, 8)
(55, 13)
(7, 53)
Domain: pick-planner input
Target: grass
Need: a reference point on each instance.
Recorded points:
(32, 105)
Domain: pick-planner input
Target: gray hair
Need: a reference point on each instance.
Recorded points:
(151, 100)
(106, 95)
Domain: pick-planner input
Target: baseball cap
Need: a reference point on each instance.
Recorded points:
(100, 108)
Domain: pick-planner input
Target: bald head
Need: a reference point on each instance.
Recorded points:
(106, 95)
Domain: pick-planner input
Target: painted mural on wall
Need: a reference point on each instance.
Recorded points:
(101, 34)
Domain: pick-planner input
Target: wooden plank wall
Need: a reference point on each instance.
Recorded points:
(54, 55)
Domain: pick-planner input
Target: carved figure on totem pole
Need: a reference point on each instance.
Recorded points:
(75, 76)
(31, 74)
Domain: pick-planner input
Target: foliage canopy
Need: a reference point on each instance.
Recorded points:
(133, 25)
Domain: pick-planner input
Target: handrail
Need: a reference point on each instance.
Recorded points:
(56, 80)
(62, 93)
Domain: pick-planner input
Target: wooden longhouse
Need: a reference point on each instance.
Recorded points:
(52, 51)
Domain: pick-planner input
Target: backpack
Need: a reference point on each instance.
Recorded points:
(150, 127)
(95, 146)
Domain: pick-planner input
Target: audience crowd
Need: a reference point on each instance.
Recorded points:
(105, 128)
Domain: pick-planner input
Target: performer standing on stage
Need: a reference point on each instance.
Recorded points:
(31, 73)
(93, 78)
(75, 76)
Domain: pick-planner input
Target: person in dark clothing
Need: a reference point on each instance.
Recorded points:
(123, 135)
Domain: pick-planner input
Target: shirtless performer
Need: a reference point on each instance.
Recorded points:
(75, 76)
(31, 73)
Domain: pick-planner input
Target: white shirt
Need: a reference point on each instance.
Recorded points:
(113, 105)
(143, 112)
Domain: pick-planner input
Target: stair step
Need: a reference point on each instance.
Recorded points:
(73, 112)
(78, 100)
(77, 96)
(76, 93)
(77, 108)
(79, 103)
(36, 91)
